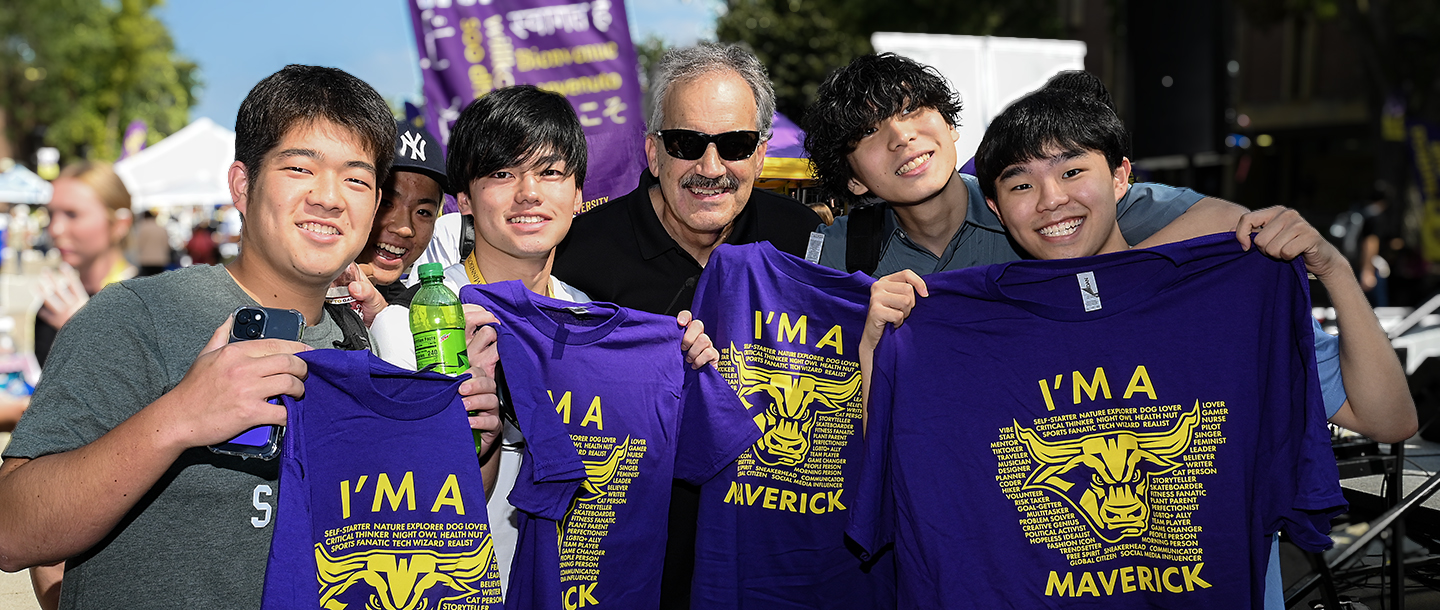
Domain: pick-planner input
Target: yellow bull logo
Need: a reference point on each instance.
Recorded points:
(402, 580)
(1106, 476)
(792, 403)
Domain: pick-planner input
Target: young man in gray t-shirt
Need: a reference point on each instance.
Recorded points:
(109, 469)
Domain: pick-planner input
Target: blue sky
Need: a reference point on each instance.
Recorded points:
(239, 43)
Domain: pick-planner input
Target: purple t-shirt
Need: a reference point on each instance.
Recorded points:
(637, 415)
(383, 505)
(1123, 430)
(772, 525)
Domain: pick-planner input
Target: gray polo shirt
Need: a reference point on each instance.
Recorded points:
(981, 240)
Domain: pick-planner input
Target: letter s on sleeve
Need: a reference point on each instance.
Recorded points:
(260, 505)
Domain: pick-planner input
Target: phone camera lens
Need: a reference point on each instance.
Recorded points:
(252, 332)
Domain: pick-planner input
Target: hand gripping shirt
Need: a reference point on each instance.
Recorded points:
(637, 415)
(1119, 431)
(772, 525)
(384, 506)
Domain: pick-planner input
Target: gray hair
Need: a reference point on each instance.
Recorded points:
(688, 63)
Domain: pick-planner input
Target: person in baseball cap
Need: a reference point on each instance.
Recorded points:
(410, 201)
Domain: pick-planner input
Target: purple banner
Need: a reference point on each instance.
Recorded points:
(1425, 154)
(134, 139)
(581, 50)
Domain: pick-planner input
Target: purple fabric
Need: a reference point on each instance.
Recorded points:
(1007, 474)
(772, 525)
(637, 414)
(787, 140)
(382, 497)
(134, 139)
(580, 49)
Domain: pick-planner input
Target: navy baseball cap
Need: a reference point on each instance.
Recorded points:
(417, 151)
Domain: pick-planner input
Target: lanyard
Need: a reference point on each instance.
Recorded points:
(472, 271)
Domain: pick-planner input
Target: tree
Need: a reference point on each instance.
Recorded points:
(74, 73)
(802, 41)
(647, 56)
(799, 41)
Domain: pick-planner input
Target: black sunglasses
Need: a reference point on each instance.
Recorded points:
(690, 145)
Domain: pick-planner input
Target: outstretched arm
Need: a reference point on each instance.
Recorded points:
(1378, 403)
(1207, 216)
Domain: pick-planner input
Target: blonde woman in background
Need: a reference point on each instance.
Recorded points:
(89, 220)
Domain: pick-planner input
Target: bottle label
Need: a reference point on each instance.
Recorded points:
(444, 348)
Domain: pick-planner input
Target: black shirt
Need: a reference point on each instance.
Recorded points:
(620, 253)
(397, 293)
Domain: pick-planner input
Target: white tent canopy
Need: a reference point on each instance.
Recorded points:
(988, 72)
(20, 185)
(187, 168)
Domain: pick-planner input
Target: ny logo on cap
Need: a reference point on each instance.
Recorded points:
(415, 143)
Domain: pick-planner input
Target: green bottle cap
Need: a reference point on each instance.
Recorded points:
(431, 270)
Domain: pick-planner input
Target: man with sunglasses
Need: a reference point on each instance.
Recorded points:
(711, 118)
(712, 112)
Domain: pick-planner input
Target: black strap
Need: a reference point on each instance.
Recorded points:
(391, 291)
(685, 298)
(467, 235)
(405, 297)
(863, 238)
(352, 327)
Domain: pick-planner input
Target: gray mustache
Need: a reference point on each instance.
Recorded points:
(726, 182)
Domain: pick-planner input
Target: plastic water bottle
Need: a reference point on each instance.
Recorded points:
(438, 324)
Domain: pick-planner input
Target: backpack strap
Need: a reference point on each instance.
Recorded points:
(864, 239)
(352, 327)
(467, 236)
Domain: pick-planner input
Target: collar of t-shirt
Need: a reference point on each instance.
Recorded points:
(978, 216)
(654, 240)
